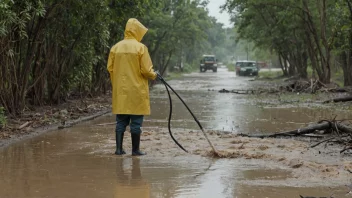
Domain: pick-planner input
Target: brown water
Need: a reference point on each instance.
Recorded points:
(78, 162)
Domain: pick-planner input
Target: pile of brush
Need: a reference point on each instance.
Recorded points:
(334, 131)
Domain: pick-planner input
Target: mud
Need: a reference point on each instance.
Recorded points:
(36, 120)
(310, 165)
(79, 161)
(46, 128)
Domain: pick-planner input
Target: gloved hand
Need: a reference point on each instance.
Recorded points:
(158, 75)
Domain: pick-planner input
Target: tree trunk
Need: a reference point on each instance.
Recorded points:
(347, 55)
(302, 68)
(347, 67)
(325, 57)
(317, 44)
(283, 65)
(292, 67)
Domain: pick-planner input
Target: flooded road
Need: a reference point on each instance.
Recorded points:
(78, 162)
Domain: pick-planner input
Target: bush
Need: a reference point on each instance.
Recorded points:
(230, 66)
(270, 74)
(188, 68)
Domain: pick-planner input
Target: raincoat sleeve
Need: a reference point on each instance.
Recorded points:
(111, 64)
(147, 65)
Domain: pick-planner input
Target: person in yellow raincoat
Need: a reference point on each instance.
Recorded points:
(130, 67)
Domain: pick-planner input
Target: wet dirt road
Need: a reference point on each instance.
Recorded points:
(78, 162)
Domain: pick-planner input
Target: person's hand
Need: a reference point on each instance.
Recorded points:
(158, 75)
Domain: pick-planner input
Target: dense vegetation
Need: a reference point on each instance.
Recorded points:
(52, 50)
(55, 50)
(304, 33)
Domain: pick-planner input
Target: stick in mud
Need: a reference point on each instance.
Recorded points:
(24, 125)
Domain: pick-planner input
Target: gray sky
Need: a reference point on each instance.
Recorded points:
(214, 10)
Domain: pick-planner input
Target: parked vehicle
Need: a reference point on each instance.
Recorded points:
(208, 62)
(246, 68)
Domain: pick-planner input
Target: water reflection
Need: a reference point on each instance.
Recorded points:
(130, 182)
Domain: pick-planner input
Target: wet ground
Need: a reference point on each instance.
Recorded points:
(78, 162)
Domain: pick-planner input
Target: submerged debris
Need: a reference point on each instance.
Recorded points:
(296, 86)
(334, 131)
(295, 163)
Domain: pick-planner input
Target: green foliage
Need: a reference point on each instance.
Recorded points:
(299, 32)
(52, 50)
(180, 32)
(173, 75)
(270, 74)
(230, 67)
(188, 68)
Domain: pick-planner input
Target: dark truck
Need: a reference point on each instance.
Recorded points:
(246, 68)
(208, 62)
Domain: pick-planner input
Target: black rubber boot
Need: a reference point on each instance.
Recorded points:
(119, 141)
(135, 144)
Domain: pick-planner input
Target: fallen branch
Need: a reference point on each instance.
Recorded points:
(344, 128)
(105, 124)
(24, 125)
(345, 149)
(238, 91)
(339, 133)
(249, 91)
(70, 124)
(312, 86)
(338, 90)
(297, 132)
(341, 99)
(326, 140)
(314, 135)
(307, 130)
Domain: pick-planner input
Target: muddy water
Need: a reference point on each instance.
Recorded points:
(78, 162)
(229, 112)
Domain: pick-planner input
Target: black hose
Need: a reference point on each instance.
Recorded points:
(189, 110)
(167, 86)
(169, 122)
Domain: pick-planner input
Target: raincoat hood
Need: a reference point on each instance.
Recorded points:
(135, 29)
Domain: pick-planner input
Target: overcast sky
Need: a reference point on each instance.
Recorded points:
(214, 10)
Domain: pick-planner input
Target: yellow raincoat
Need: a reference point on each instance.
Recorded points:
(130, 67)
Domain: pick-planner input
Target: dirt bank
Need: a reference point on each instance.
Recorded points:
(47, 118)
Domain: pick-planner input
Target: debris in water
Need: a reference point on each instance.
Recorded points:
(295, 163)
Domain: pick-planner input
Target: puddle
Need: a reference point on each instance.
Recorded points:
(78, 162)
(267, 174)
(288, 192)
